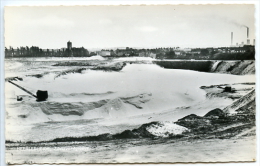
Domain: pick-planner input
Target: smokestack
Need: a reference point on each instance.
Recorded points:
(254, 41)
(231, 38)
(247, 32)
(248, 42)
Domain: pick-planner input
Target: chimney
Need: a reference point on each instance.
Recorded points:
(248, 42)
(231, 38)
(254, 42)
(247, 32)
(237, 44)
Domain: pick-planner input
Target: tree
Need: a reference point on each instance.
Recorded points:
(160, 56)
(170, 55)
(204, 52)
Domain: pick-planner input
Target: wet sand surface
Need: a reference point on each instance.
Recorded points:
(137, 151)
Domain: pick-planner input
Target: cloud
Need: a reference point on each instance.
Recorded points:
(147, 29)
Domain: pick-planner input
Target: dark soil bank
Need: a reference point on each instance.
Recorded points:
(203, 66)
(230, 67)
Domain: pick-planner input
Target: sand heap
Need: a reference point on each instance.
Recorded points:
(245, 104)
(234, 67)
(165, 129)
(148, 130)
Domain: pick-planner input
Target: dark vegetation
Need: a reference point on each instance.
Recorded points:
(167, 55)
(35, 51)
(248, 55)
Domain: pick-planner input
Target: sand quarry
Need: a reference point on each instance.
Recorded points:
(127, 110)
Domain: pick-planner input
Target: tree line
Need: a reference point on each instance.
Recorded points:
(34, 51)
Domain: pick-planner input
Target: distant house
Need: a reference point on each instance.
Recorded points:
(104, 53)
(186, 49)
(195, 51)
(152, 55)
(178, 52)
(124, 52)
(142, 54)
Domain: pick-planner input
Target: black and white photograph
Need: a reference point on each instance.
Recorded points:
(130, 84)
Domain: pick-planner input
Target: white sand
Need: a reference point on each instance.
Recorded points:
(169, 90)
(165, 129)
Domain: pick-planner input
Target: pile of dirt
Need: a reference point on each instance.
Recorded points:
(77, 70)
(195, 122)
(140, 132)
(81, 63)
(216, 113)
(234, 67)
(220, 126)
(143, 131)
(166, 129)
(232, 120)
(118, 66)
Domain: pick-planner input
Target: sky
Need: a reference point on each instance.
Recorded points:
(144, 26)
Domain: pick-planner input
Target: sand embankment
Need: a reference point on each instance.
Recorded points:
(229, 67)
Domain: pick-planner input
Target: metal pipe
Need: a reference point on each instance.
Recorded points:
(23, 89)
